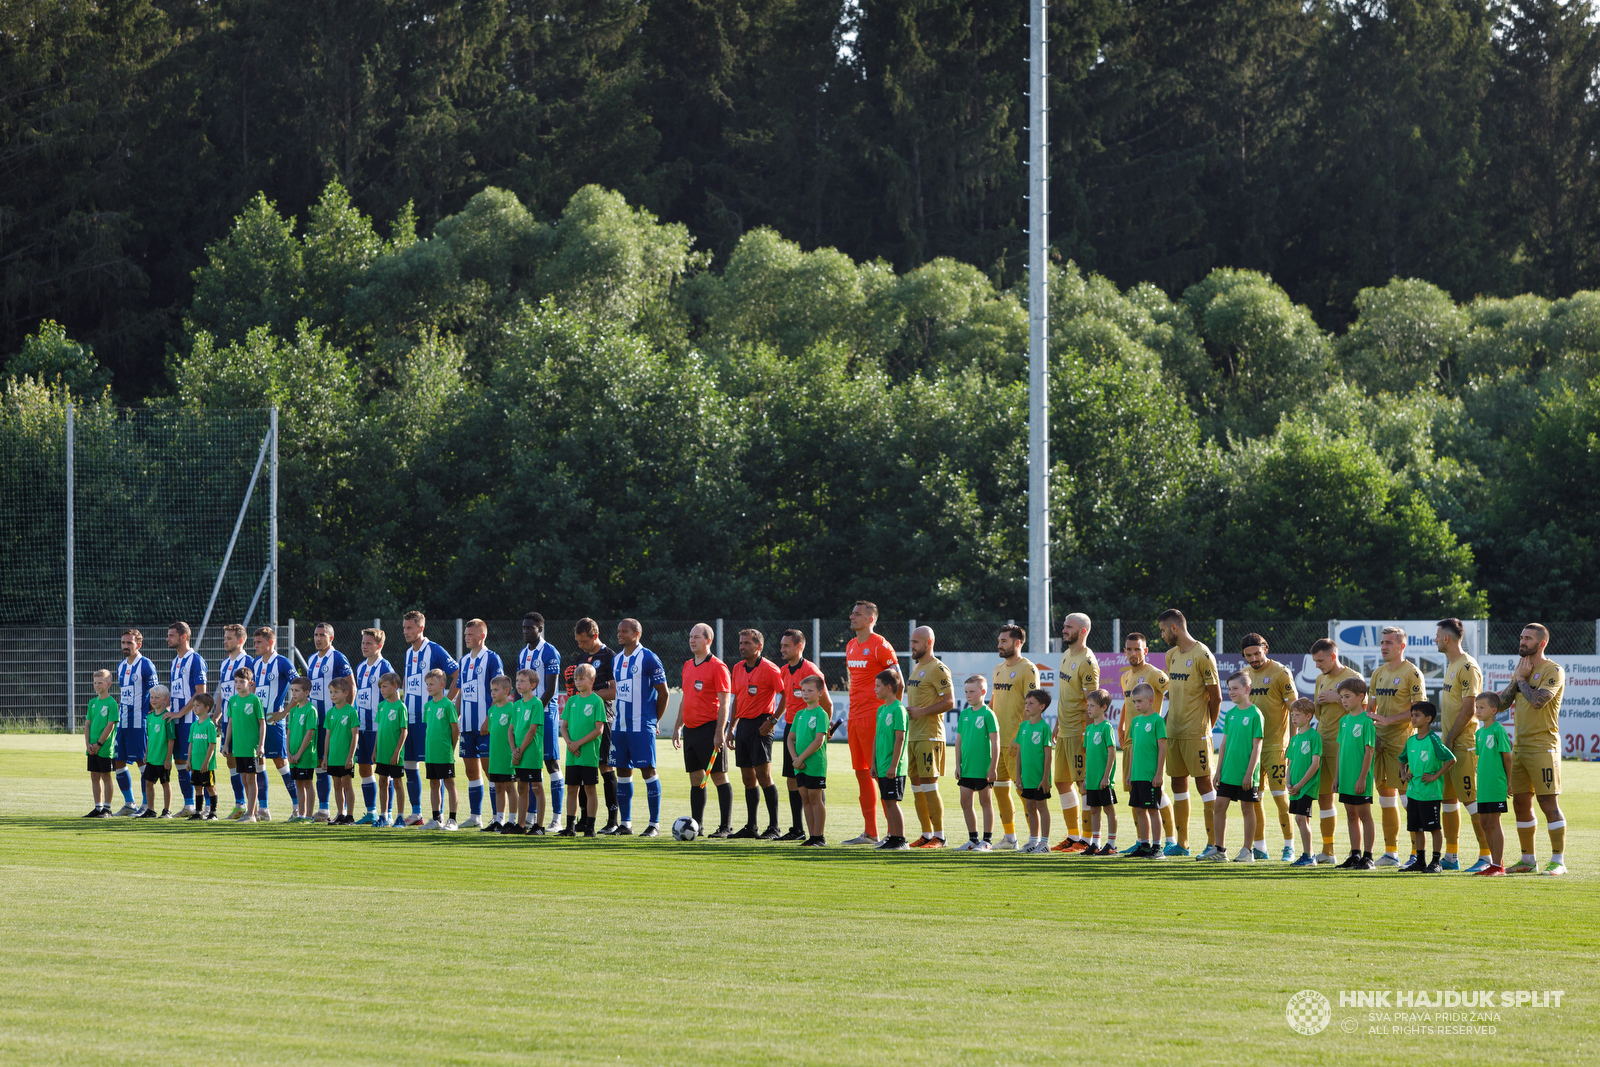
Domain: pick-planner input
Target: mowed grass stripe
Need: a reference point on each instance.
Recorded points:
(332, 944)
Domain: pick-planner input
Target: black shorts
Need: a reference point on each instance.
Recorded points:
(605, 746)
(302, 774)
(810, 781)
(788, 760)
(977, 785)
(1145, 795)
(244, 765)
(438, 772)
(750, 749)
(1422, 815)
(892, 788)
(530, 774)
(698, 743)
(1244, 794)
(1355, 798)
(1491, 807)
(500, 779)
(390, 770)
(99, 764)
(157, 773)
(583, 775)
(202, 779)
(1100, 798)
(340, 772)
(1301, 805)
(1034, 794)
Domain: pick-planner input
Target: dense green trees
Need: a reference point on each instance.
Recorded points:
(580, 414)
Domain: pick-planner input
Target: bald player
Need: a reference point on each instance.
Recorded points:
(1458, 722)
(1137, 650)
(1395, 685)
(1014, 679)
(929, 694)
(1325, 695)
(1080, 676)
(865, 655)
(1535, 695)
(1272, 690)
(1194, 698)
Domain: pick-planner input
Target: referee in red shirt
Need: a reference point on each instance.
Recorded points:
(703, 727)
(757, 693)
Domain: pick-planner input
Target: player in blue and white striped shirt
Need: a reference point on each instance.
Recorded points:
(273, 672)
(136, 676)
(234, 657)
(372, 667)
(641, 698)
(476, 670)
(326, 664)
(186, 681)
(421, 657)
(542, 658)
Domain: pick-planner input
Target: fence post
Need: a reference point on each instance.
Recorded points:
(816, 640)
(272, 522)
(1116, 635)
(377, 624)
(911, 628)
(719, 640)
(72, 646)
(1218, 649)
(289, 636)
(458, 638)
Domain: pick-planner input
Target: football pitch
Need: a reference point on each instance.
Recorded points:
(176, 942)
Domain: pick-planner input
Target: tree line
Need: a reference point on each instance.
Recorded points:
(1330, 144)
(592, 415)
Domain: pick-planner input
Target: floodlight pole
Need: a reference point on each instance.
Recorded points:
(272, 524)
(72, 647)
(1038, 331)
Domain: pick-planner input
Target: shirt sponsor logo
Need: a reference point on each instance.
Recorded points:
(699, 684)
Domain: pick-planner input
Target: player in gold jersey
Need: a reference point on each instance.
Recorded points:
(1194, 698)
(1272, 690)
(929, 694)
(1535, 695)
(1137, 650)
(1079, 676)
(1395, 685)
(1325, 654)
(1014, 679)
(1458, 721)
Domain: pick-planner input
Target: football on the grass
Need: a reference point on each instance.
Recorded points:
(685, 829)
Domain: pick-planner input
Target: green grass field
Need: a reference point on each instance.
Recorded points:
(161, 943)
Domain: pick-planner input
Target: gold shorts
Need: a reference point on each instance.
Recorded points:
(1328, 770)
(1386, 768)
(1069, 759)
(927, 759)
(1461, 780)
(1126, 755)
(1536, 772)
(1189, 757)
(1273, 775)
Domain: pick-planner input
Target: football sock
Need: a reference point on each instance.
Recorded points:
(475, 795)
(697, 804)
(625, 799)
(1558, 836)
(770, 792)
(436, 813)
(261, 789)
(289, 785)
(935, 804)
(725, 804)
(752, 803)
(972, 835)
(652, 793)
(413, 791)
(797, 809)
(1325, 817)
(1280, 797)
(1180, 818)
(323, 790)
(1002, 801)
(867, 795)
(1166, 817)
(186, 786)
(494, 800)
(1450, 817)
(609, 784)
(988, 835)
(1559, 857)
(236, 780)
(921, 804)
(1391, 823)
(452, 816)
(1069, 813)
(558, 793)
(1208, 802)
(369, 793)
(125, 784)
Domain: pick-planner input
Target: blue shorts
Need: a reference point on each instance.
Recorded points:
(277, 743)
(366, 741)
(633, 748)
(474, 745)
(180, 746)
(416, 742)
(130, 744)
(551, 735)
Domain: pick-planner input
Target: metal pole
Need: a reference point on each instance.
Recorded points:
(249, 492)
(266, 572)
(719, 639)
(72, 648)
(459, 636)
(272, 522)
(816, 640)
(1038, 330)
(1218, 647)
(1116, 636)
